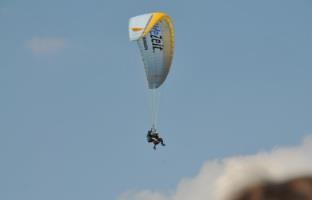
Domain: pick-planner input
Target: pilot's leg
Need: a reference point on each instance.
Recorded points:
(161, 141)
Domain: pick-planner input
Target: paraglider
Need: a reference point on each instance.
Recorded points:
(152, 136)
(154, 34)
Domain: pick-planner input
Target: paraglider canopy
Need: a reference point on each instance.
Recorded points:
(155, 36)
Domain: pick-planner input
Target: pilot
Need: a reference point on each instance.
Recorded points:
(152, 136)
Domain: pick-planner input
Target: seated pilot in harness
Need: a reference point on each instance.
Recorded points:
(152, 136)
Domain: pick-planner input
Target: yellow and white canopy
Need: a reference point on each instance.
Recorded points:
(155, 36)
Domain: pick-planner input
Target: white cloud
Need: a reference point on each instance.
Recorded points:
(46, 45)
(220, 179)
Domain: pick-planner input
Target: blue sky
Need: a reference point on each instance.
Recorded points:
(74, 104)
